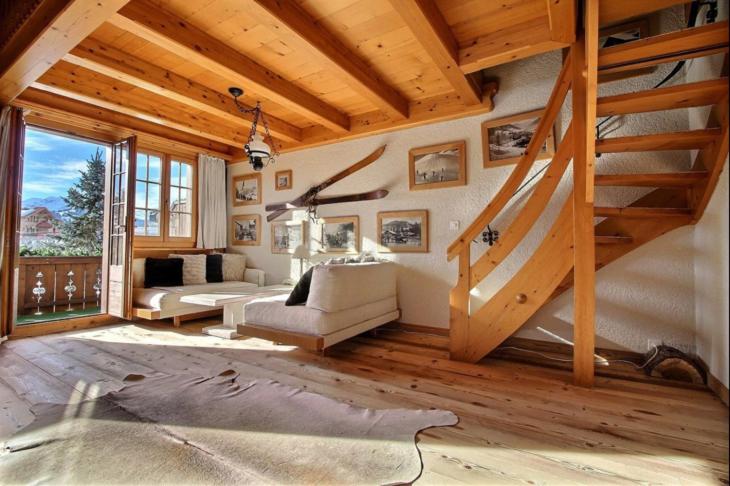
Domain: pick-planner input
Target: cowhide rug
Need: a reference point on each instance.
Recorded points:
(189, 430)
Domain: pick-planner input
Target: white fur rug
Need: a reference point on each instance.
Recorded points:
(190, 430)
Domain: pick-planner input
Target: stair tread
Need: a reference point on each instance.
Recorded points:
(686, 140)
(613, 239)
(701, 93)
(640, 212)
(672, 46)
(668, 179)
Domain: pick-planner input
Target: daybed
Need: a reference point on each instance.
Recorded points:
(164, 302)
(344, 301)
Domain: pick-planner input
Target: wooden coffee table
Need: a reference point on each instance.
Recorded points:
(232, 303)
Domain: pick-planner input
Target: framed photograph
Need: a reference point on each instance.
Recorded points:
(283, 180)
(286, 236)
(403, 231)
(437, 166)
(341, 235)
(505, 140)
(246, 229)
(247, 189)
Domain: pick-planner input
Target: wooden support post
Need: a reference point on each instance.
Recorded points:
(459, 307)
(585, 63)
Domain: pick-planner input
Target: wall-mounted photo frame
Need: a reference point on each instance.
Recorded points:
(287, 235)
(283, 180)
(403, 231)
(505, 140)
(246, 189)
(246, 229)
(341, 234)
(437, 166)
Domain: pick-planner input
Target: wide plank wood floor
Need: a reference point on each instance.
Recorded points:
(518, 423)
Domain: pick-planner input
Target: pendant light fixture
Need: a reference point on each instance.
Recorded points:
(260, 149)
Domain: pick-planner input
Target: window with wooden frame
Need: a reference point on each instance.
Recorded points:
(166, 200)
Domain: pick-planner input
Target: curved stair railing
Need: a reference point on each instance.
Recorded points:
(470, 334)
(680, 198)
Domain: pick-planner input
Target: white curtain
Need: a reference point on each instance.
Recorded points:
(211, 202)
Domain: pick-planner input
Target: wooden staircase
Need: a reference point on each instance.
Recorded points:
(575, 247)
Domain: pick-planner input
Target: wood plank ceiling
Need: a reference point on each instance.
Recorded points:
(324, 70)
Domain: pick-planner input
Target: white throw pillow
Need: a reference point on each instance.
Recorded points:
(234, 266)
(193, 268)
(338, 287)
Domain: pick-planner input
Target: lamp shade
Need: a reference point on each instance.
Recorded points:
(259, 147)
(301, 252)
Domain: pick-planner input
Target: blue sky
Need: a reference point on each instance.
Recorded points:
(52, 163)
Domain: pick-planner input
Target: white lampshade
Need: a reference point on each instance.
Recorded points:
(258, 146)
(301, 252)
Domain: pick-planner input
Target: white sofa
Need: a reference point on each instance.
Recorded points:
(164, 302)
(344, 301)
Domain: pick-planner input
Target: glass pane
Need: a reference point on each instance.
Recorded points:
(186, 201)
(139, 222)
(174, 224)
(184, 226)
(141, 167)
(186, 175)
(174, 199)
(155, 174)
(140, 196)
(122, 188)
(117, 184)
(125, 157)
(115, 219)
(175, 173)
(153, 223)
(117, 158)
(153, 199)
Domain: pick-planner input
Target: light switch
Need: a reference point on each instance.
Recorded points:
(454, 225)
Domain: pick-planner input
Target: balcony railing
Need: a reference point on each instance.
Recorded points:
(52, 288)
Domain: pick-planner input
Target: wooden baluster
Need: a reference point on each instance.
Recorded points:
(459, 307)
(585, 63)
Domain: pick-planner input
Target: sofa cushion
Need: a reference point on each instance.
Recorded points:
(272, 312)
(167, 299)
(339, 287)
(214, 268)
(193, 268)
(234, 267)
(163, 272)
(300, 293)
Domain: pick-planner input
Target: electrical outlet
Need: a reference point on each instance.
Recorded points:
(454, 225)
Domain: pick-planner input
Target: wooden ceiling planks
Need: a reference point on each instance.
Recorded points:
(186, 40)
(324, 70)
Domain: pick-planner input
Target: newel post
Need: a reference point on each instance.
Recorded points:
(459, 307)
(585, 65)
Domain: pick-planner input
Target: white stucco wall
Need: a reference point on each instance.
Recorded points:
(647, 296)
(711, 246)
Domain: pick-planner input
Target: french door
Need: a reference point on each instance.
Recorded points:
(119, 229)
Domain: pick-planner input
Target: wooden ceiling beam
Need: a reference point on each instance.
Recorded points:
(74, 82)
(562, 18)
(109, 61)
(440, 108)
(70, 112)
(513, 42)
(428, 25)
(336, 56)
(613, 11)
(51, 30)
(148, 21)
